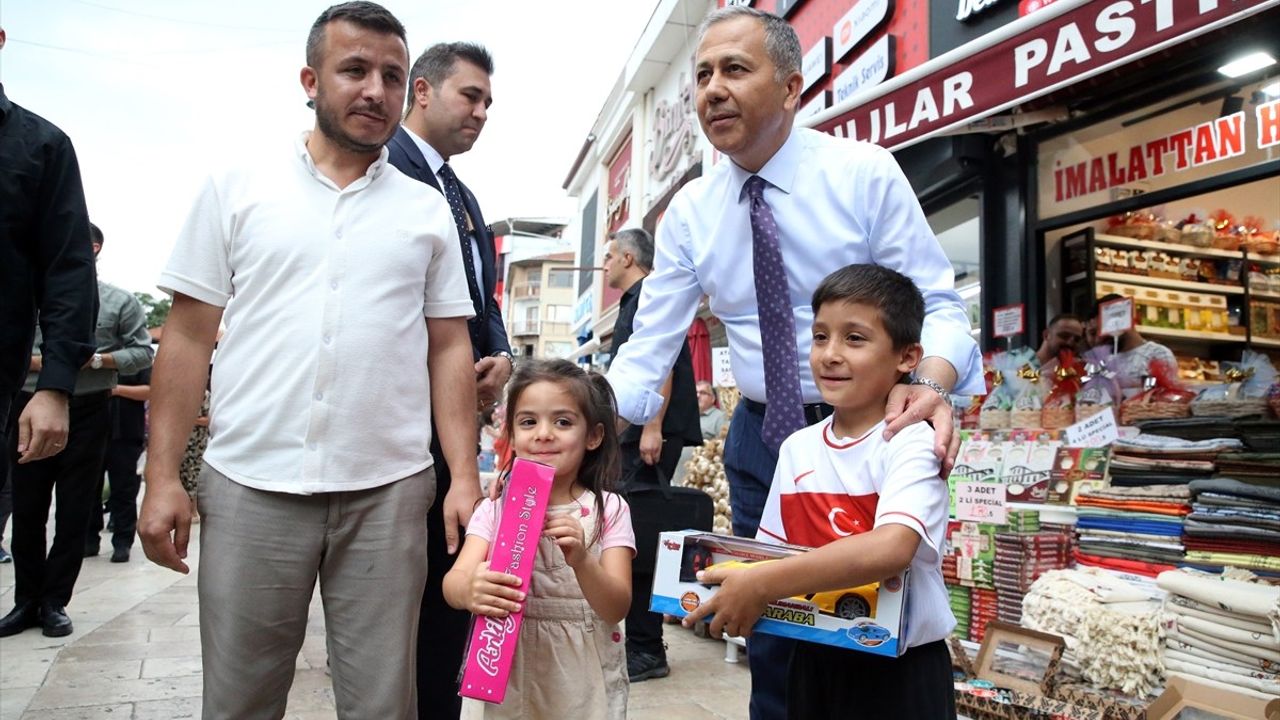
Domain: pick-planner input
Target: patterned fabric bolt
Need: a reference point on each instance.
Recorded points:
(784, 413)
(449, 182)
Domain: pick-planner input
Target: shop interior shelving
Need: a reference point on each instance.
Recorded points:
(1091, 276)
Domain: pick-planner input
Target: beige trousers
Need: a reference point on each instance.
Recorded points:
(261, 554)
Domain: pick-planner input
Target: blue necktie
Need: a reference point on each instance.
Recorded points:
(784, 413)
(449, 183)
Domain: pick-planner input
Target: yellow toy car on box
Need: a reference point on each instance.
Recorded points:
(849, 603)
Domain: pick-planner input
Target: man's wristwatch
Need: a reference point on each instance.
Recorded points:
(506, 355)
(96, 362)
(934, 386)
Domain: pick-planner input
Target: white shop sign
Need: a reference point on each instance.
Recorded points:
(820, 102)
(721, 370)
(816, 64)
(870, 69)
(1115, 317)
(981, 502)
(1008, 321)
(862, 18)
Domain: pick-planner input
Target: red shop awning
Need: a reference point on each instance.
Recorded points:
(1058, 45)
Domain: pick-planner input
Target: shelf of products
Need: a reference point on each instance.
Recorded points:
(1189, 334)
(1169, 283)
(1118, 241)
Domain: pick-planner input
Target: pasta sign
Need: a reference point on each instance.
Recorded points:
(1080, 42)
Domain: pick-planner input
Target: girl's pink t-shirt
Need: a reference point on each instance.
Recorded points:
(617, 522)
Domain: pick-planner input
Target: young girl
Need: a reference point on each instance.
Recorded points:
(570, 661)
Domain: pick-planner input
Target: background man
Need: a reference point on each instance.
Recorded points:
(43, 583)
(448, 105)
(1133, 362)
(46, 277)
(319, 463)
(1065, 332)
(627, 261)
(127, 413)
(800, 204)
(711, 418)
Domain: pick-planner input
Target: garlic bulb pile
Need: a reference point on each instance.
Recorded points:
(705, 471)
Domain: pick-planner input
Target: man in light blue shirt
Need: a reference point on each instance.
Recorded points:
(835, 202)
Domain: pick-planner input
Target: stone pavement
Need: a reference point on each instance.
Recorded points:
(135, 655)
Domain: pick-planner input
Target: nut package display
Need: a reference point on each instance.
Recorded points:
(1163, 397)
(491, 650)
(1028, 406)
(1005, 386)
(869, 618)
(1060, 407)
(1243, 391)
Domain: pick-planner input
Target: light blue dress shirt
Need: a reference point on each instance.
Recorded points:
(837, 202)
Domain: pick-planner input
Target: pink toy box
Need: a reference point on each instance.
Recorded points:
(493, 641)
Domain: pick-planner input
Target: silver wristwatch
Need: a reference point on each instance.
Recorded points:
(934, 386)
(504, 354)
(96, 362)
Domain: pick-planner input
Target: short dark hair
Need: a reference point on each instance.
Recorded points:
(638, 242)
(362, 14)
(437, 62)
(95, 234)
(1063, 316)
(780, 39)
(894, 295)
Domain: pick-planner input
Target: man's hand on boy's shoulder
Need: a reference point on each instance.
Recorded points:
(737, 605)
(910, 404)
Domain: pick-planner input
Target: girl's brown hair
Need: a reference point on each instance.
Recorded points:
(594, 397)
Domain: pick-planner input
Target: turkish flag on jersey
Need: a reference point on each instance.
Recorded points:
(815, 519)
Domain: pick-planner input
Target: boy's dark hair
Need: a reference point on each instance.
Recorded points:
(595, 401)
(898, 300)
(95, 234)
(362, 14)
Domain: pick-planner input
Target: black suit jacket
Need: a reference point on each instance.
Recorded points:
(488, 333)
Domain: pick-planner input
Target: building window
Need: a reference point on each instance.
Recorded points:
(560, 279)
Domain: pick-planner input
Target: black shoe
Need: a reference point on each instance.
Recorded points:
(92, 550)
(5, 558)
(120, 555)
(55, 620)
(20, 618)
(645, 666)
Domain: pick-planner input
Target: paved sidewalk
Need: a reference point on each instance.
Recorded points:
(135, 655)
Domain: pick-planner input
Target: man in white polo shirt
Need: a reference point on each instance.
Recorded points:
(322, 261)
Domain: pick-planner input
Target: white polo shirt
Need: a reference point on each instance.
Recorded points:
(320, 383)
(826, 488)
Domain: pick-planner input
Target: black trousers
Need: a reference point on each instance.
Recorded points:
(644, 628)
(831, 682)
(121, 468)
(442, 631)
(7, 425)
(73, 474)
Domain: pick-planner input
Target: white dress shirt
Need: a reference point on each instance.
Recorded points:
(435, 161)
(320, 383)
(837, 202)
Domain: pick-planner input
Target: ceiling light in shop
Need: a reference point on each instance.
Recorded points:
(1272, 90)
(1247, 64)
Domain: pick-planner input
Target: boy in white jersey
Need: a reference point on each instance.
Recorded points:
(871, 508)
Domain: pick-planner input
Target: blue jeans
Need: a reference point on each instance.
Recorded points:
(749, 466)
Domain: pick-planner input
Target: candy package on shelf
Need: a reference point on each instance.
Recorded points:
(1029, 402)
(1006, 384)
(1059, 409)
(1163, 397)
(1099, 391)
(1243, 391)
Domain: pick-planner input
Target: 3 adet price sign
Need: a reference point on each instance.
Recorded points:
(1009, 320)
(1115, 317)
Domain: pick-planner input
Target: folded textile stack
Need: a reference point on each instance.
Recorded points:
(1134, 529)
(1200, 428)
(1158, 459)
(1233, 523)
(1222, 627)
(1021, 558)
(1264, 467)
(1111, 628)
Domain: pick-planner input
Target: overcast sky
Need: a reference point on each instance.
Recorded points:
(153, 92)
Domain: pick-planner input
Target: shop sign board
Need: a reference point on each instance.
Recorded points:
(862, 18)
(784, 8)
(970, 8)
(870, 69)
(721, 369)
(816, 64)
(820, 102)
(673, 133)
(619, 196)
(1098, 430)
(982, 502)
(1009, 320)
(1115, 317)
(1066, 42)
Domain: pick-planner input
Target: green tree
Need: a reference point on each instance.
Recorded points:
(157, 309)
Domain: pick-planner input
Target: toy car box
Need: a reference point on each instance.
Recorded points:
(868, 619)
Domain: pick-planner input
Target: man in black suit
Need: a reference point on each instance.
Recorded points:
(448, 106)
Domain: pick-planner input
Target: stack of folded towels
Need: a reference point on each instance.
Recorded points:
(1233, 523)
(1222, 627)
(1135, 530)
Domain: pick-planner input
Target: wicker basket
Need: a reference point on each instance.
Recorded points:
(1145, 231)
(1084, 412)
(993, 419)
(1249, 407)
(1056, 418)
(1132, 412)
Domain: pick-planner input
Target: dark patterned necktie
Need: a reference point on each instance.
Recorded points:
(449, 183)
(784, 413)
